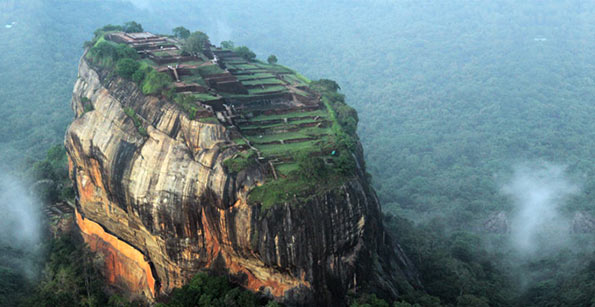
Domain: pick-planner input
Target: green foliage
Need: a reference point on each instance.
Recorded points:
(345, 163)
(132, 27)
(127, 67)
(325, 85)
(87, 105)
(454, 267)
(280, 191)
(242, 161)
(206, 290)
(137, 121)
(196, 43)
(187, 103)
(227, 45)
(155, 82)
(208, 120)
(469, 300)
(124, 51)
(139, 75)
(107, 28)
(369, 301)
(106, 53)
(14, 287)
(563, 279)
(70, 277)
(345, 115)
(181, 32)
(245, 52)
(313, 174)
(344, 125)
(54, 170)
(103, 53)
(310, 167)
(206, 70)
(272, 59)
(311, 178)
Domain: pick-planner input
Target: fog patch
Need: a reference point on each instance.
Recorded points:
(142, 4)
(20, 226)
(223, 31)
(538, 191)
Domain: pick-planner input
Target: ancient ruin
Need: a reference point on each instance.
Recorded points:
(267, 105)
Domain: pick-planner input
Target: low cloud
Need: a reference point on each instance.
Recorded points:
(20, 225)
(538, 191)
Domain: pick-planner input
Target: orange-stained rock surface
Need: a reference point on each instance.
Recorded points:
(124, 264)
(162, 207)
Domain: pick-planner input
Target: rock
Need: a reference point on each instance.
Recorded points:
(162, 207)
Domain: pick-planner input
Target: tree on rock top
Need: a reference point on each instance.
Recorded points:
(126, 67)
(246, 53)
(227, 45)
(181, 32)
(196, 43)
(272, 59)
(132, 27)
(326, 84)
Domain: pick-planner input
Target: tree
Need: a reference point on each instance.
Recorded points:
(227, 45)
(196, 43)
(246, 53)
(327, 84)
(103, 50)
(154, 82)
(138, 75)
(181, 32)
(272, 59)
(107, 28)
(126, 67)
(124, 51)
(132, 27)
(310, 167)
(211, 290)
(107, 53)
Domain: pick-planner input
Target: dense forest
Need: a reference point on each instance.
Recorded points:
(453, 98)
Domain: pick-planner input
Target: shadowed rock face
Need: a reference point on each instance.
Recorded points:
(162, 207)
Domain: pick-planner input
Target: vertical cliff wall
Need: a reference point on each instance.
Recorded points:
(160, 207)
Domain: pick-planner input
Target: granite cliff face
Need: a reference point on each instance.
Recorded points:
(160, 206)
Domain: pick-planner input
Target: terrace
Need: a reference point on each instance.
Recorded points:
(270, 107)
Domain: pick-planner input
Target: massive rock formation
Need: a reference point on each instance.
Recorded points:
(160, 207)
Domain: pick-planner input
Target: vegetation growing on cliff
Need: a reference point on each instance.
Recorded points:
(320, 166)
(106, 53)
(51, 174)
(125, 60)
(196, 43)
(155, 82)
(70, 277)
(137, 122)
(207, 290)
(241, 161)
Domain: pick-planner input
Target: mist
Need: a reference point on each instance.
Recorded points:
(538, 192)
(20, 226)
